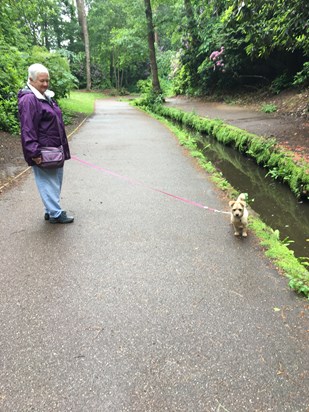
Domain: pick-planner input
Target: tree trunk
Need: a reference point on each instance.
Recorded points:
(121, 79)
(191, 23)
(83, 23)
(152, 50)
(46, 38)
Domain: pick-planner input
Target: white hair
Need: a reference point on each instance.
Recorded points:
(36, 69)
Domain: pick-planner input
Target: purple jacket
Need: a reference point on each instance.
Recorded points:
(41, 125)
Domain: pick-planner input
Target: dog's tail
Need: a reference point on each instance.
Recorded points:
(243, 197)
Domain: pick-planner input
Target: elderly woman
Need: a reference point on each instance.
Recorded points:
(42, 126)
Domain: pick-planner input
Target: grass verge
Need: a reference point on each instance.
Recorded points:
(275, 249)
(81, 102)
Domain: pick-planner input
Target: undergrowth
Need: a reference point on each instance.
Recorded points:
(269, 108)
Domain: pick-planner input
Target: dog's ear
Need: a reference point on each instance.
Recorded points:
(243, 203)
(232, 203)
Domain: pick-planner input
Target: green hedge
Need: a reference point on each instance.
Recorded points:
(266, 152)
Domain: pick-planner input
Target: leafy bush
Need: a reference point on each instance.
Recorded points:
(164, 61)
(148, 96)
(269, 108)
(182, 81)
(12, 65)
(302, 78)
(280, 83)
(8, 116)
(62, 81)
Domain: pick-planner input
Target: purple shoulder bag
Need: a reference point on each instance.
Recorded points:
(52, 157)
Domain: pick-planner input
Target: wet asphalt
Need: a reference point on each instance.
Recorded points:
(144, 303)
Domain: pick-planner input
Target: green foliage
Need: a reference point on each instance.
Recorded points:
(283, 257)
(10, 31)
(182, 83)
(263, 43)
(8, 116)
(267, 26)
(12, 65)
(78, 70)
(164, 61)
(302, 77)
(148, 95)
(269, 108)
(117, 31)
(62, 81)
(48, 23)
(280, 83)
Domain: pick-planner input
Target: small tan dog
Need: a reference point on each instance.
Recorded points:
(239, 215)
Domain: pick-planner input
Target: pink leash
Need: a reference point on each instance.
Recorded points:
(136, 182)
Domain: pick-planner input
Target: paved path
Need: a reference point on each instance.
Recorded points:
(145, 303)
(291, 132)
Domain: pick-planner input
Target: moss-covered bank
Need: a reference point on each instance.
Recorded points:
(265, 152)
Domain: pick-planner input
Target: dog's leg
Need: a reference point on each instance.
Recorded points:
(236, 231)
(244, 230)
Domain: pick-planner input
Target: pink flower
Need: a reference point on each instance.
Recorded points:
(215, 55)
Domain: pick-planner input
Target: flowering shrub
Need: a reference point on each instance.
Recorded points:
(217, 59)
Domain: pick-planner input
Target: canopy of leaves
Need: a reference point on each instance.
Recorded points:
(265, 43)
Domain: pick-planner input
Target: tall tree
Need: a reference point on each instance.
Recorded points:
(117, 30)
(83, 23)
(45, 23)
(152, 50)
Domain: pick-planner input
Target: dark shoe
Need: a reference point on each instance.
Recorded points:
(63, 218)
(46, 216)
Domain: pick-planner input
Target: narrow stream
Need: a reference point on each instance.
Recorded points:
(273, 201)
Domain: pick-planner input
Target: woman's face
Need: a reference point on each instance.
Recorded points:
(41, 82)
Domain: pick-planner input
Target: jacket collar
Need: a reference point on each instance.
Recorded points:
(46, 96)
(36, 92)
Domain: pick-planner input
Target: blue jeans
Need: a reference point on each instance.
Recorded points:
(49, 182)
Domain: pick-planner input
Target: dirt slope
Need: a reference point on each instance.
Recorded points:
(289, 125)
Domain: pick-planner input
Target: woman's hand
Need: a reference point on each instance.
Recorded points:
(37, 160)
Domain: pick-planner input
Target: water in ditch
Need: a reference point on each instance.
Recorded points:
(273, 201)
